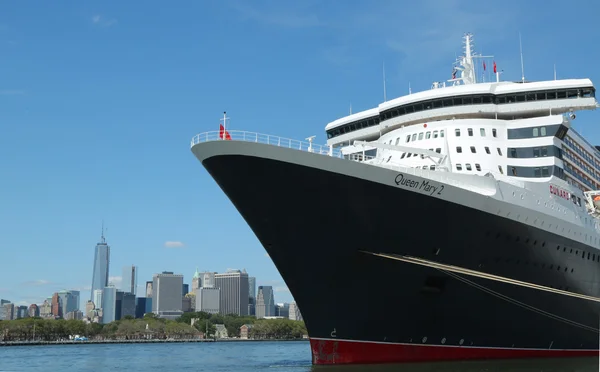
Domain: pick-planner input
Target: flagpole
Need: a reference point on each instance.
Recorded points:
(224, 124)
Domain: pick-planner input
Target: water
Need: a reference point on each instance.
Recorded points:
(234, 357)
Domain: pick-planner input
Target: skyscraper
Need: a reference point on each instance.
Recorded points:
(234, 292)
(265, 302)
(109, 304)
(129, 283)
(101, 263)
(251, 295)
(167, 294)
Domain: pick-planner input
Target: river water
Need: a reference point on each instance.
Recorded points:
(233, 357)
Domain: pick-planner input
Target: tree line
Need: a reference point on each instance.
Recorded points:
(149, 327)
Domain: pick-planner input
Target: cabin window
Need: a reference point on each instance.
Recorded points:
(403, 155)
(397, 140)
(414, 137)
(470, 131)
(458, 149)
(473, 149)
(432, 167)
(537, 172)
(482, 132)
(435, 134)
(487, 150)
(420, 136)
(458, 167)
(514, 171)
(494, 132)
(499, 151)
(457, 132)
(535, 132)
(428, 135)
(543, 131)
(545, 172)
(408, 138)
(478, 167)
(500, 169)
(442, 133)
(536, 152)
(438, 150)
(468, 166)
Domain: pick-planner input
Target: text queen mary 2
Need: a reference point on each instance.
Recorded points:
(455, 223)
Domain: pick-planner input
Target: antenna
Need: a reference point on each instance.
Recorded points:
(555, 71)
(384, 93)
(350, 108)
(409, 90)
(102, 236)
(522, 66)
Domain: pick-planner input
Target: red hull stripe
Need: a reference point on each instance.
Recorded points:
(327, 351)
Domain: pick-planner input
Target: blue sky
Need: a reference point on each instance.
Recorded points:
(99, 100)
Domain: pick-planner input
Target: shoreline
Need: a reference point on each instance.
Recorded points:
(140, 341)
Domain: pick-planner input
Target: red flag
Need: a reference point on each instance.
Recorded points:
(483, 65)
(494, 67)
(221, 130)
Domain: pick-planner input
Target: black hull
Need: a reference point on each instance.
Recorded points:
(315, 225)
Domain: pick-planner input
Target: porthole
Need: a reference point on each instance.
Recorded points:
(443, 340)
(424, 339)
(461, 341)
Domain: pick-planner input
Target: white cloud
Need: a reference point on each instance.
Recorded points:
(115, 280)
(281, 289)
(174, 244)
(37, 282)
(100, 21)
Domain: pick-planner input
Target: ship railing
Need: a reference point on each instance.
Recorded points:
(267, 139)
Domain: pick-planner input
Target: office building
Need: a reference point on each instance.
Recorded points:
(129, 279)
(208, 300)
(234, 292)
(167, 289)
(265, 302)
(109, 304)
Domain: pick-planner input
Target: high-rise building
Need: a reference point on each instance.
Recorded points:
(34, 310)
(109, 304)
(129, 281)
(101, 265)
(9, 311)
(128, 305)
(140, 307)
(56, 305)
(76, 295)
(234, 292)
(282, 310)
(265, 301)
(167, 289)
(208, 279)
(69, 301)
(185, 289)
(196, 281)
(97, 298)
(208, 299)
(20, 312)
(252, 295)
(2, 309)
(149, 289)
(294, 311)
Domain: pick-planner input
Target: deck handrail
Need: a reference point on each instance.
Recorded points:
(240, 135)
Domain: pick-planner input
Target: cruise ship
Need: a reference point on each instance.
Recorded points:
(455, 223)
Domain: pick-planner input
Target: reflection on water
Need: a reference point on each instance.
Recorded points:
(528, 365)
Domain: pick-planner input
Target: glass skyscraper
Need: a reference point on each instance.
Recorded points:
(101, 262)
(129, 283)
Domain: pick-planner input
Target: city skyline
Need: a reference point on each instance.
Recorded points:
(85, 292)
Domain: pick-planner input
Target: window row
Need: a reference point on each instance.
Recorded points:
(409, 154)
(351, 127)
(474, 150)
(582, 152)
(534, 152)
(422, 135)
(557, 130)
(580, 163)
(482, 132)
(466, 100)
(468, 167)
(580, 177)
(536, 172)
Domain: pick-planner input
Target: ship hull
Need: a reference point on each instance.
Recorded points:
(320, 219)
